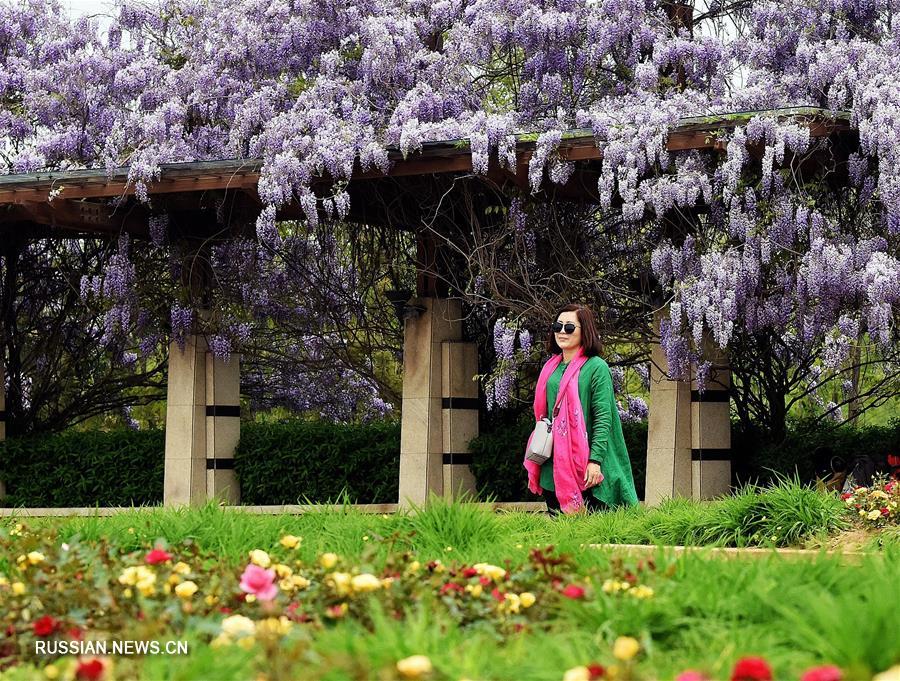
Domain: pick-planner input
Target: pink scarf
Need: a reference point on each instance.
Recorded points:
(570, 440)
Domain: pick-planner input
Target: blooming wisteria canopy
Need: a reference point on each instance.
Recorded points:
(314, 86)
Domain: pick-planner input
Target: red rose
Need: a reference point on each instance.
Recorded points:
(573, 591)
(827, 672)
(751, 669)
(451, 586)
(75, 633)
(846, 495)
(44, 626)
(157, 556)
(484, 581)
(469, 572)
(498, 595)
(885, 511)
(89, 670)
(595, 671)
(225, 610)
(889, 487)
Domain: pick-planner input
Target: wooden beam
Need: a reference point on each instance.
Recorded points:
(81, 216)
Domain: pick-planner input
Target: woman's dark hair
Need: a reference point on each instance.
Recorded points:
(590, 339)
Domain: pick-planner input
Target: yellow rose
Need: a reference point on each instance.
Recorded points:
(611, 586)
(873, 515)
(492, 571)
(260, 557)
(892, 674)
(300, 582)
(283, 571)
(186, 589)
(512, 602)
(174, 579)
(642, 591)
(289, 541)
(18, 588)
(181, 568)
(51, 671)
(35, 557)
(328, 560)
(365, 582)
(625, 648)
(238, 625)
(577, 674)
(527, 599)
(340, 582)
(414, 667)
(272, 626)
(475, 589)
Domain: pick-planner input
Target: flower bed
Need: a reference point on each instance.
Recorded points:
(389, 602)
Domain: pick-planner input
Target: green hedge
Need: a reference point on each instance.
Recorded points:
(94, 468)
(285, 463)
(497, 460)
(756, 460)
(298, 460)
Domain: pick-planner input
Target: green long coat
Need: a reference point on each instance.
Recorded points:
(604, 428)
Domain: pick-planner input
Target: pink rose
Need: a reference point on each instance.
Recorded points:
(157, 556)
(573, 591)
(259, 582)
(827, 672)
(691, 675)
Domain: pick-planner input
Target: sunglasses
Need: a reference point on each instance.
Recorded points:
(558, 327)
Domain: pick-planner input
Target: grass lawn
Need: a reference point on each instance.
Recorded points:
(478, 593)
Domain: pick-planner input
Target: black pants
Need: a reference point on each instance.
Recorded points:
(592, 503)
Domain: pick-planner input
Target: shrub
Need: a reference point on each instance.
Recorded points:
(807, 447)
(117, 468)
(286, 463)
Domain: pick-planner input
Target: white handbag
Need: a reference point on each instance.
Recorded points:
(540, 448)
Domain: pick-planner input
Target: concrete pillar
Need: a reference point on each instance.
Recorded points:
(689, 434)
(711, 432)
(223, 427)
(185, 464)
(668, 434)
(202, 425)
(435, 392)
(459, 415)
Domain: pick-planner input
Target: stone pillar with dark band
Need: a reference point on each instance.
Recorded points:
(711, 433)
(433, 458)
(223, 427)
(689, 432)
(185, 459)
(668, 434)
(459, 415)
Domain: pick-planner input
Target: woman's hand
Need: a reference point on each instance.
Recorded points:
(592, 474)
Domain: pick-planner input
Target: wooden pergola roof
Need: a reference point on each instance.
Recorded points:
(85, 200)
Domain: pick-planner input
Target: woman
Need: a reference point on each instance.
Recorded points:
(590, 465)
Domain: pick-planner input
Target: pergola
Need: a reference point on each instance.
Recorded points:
(440, 401)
